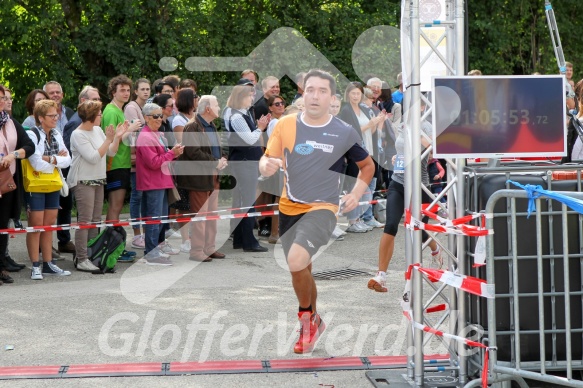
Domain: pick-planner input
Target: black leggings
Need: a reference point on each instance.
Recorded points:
(396, 207)
(7, 202)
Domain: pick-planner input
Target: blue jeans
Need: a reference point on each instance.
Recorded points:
(364, 212)
(154, 204)
(367, 196)
(135, 200)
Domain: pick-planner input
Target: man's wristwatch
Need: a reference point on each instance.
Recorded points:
(16, 154)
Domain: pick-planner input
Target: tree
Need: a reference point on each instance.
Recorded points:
(79, 43)
(512, 37)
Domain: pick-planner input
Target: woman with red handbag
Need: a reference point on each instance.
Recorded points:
(14, 144)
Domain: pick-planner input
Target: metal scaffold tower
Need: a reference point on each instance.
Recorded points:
(450, 30)
(425, 41)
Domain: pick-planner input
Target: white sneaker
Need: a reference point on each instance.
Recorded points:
(173, 234)
(36, 274)
(374, 223)
(378, 283)
(361, 224)
(166, 248)
(338, 232)
(138, 242)
(185, 247)
(86, 266)
(355, 228)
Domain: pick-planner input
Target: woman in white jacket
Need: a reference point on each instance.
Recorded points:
(87, 174)
(50, 153)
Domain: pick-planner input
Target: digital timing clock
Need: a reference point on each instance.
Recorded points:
(499, 116)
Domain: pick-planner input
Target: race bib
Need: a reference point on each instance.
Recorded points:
(399, 166)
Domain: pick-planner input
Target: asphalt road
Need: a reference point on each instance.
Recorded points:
(239, 308)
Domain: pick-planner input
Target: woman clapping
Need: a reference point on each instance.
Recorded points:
(87, 174)
(154, 179)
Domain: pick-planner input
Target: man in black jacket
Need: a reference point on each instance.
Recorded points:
(270, 86)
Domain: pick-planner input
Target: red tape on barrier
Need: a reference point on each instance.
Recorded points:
(446, 226)
(466, 283)
(134, 222)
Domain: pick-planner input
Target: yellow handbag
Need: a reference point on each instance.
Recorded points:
(40, 182)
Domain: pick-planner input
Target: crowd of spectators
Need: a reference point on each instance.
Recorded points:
(125, 148)
(145, 146)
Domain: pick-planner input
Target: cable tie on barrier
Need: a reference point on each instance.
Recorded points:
(437, 308)
(535, 192)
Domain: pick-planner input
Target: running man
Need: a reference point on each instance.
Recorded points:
(311, 147)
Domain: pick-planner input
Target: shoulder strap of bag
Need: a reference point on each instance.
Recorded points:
(37, 133)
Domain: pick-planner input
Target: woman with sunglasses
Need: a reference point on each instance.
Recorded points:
(87, 177)
(14, 144)
(276, 106)
(274, 184)
(153, 179)
(50, 153)
(167, 103)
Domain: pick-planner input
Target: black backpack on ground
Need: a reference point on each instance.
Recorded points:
(106, 248)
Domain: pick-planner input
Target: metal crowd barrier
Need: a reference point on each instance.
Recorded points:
(539, 292)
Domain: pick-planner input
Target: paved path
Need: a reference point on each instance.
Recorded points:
(239, 308)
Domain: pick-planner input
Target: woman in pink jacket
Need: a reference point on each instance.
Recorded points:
(153, 179)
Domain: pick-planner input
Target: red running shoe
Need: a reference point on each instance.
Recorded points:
(311, 327)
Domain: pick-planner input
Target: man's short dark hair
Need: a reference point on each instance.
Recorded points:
(121, 79)
(172, 80)
(324, 75)
(188, 83)
(158, 88)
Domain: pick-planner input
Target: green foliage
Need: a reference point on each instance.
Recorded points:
(80, 43)
(88, 42)
(512, 37)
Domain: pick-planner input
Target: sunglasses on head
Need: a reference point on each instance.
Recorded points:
(157, 116)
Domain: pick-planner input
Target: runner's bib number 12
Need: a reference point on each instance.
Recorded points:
(399, 167)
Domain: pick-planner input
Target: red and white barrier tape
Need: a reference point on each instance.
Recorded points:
(465, 283)
(480, 250)
(134, 222)
(468, 284)
(455, 226)
(51, 228)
